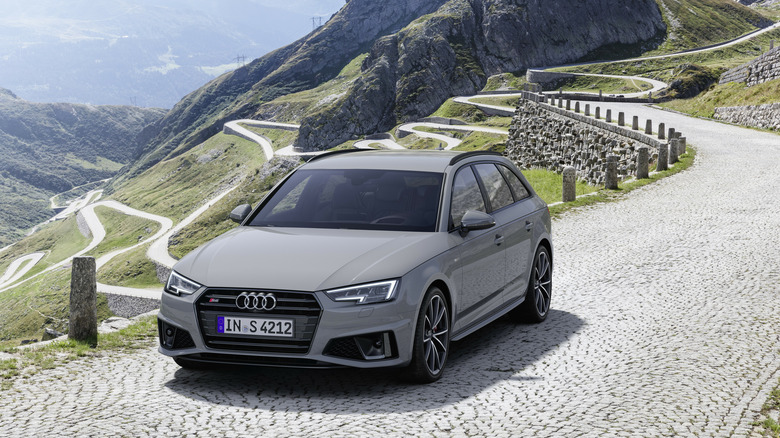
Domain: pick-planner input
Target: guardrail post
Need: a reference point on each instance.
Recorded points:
(609, 116)
(661, 131)
(569, 184)
(673, 153)
(635, 123)
(568, 104)
(663, 157)
(621, 118)
(83, 301)
(670, 134)
(642, 162)
(682, 145)
(587, 110)
(577, 107)
(649, 127)
(598, 112)
(611, 177)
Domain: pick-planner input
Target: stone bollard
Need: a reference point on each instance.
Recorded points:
(649, 127)
(560, 102)
(83, 301)
(611, 177)
(569, 184)
(673, 153)
(663, 157)
(601, 97)
(598, 112)
(577, 107)
(682, 145)
(568, 104)
(670, 134)
(642, 162)
(635, 123)
(621, 118)
(609, 116)
(587, 110)
(661, 131)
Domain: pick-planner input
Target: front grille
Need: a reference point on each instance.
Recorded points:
(302, 307)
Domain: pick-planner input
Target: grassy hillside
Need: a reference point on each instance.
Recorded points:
(51, 148)
(698, 23)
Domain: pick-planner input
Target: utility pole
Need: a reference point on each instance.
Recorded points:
(316, 22)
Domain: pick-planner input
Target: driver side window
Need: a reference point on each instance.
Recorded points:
(466, 195)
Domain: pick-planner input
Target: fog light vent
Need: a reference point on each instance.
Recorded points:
(173, 338)
(373, 346)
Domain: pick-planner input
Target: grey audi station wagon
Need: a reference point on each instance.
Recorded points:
(365, 259)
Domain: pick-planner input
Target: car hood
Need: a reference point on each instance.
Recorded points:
(307, 259)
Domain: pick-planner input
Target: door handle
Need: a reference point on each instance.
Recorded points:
(529, 225)
(499, 240)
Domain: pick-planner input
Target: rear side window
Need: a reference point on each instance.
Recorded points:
(517, 186)
(466, 195)
(498, 191)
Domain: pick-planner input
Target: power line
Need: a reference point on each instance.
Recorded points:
(240, 59)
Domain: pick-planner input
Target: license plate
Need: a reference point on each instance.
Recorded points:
(236, 325)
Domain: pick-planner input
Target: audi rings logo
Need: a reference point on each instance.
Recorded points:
(256, 301)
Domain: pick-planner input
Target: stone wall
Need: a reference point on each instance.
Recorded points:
(758, 116)
(762, 69)
(544, 136)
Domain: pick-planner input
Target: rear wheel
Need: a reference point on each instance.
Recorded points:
(431, 339)
(539, 293)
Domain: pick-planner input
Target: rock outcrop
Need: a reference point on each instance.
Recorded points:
(452, 52)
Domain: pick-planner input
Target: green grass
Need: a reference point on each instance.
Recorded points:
(602, 195)
(122, 230)
(591, 84)
(467, 113)
(665, 69)
(130, 269)
(279, 138)
(60, 240)
(39, 303)
(771, 427)
(505, 81)
(29, 362)
(731, 94)
(176, 187)
(500, 101)
(548, 185)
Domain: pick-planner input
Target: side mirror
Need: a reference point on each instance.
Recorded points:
(475, 220)
(240, 213)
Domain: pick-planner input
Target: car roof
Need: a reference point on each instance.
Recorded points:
(420, 161)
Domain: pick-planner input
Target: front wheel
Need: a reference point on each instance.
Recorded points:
(431, 339)
(537, 297)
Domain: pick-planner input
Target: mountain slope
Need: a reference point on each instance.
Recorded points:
(413, 55)
(51, 148)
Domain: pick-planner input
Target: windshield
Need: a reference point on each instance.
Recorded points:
(355, 198)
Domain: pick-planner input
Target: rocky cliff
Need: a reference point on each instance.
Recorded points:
(420, 53)
(410, 73)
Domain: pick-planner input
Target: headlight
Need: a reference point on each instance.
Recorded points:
(365, 293)
(179, 285)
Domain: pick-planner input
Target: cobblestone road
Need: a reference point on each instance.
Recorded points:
(666, 322)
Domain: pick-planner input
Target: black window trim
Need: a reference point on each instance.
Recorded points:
(512, 189)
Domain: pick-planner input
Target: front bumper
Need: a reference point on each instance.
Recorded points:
(327, 333)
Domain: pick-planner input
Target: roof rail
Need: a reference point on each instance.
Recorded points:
(464, 155)
(331, 153)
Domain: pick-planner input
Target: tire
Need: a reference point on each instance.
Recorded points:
(431, 339)
(538, 295)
